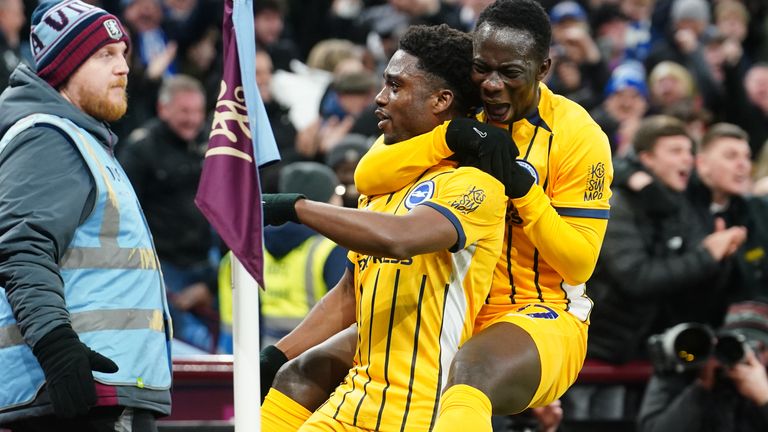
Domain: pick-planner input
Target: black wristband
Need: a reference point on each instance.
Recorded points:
(271, 360)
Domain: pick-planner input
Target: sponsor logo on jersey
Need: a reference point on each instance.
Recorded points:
(422, 192)
(538, 311)
(530, 168)
(470, 201)
(364, 260)
(595, 186)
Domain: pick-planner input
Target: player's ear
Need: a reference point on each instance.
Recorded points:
(543, 69)
(443, 101)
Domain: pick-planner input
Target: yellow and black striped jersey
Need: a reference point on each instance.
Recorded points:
(554, 232)
(413, 314)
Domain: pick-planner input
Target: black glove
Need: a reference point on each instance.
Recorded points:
(271, 360)
(67, 364)
(492, 150)
(280, 208)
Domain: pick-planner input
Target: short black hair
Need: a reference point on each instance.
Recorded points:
(657, 126)
(722, 130)
(525, 15)
(278, 6)
(445, 53)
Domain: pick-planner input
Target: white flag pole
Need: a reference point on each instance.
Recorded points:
(245, 334)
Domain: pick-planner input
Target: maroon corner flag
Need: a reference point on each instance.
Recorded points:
(229, 192)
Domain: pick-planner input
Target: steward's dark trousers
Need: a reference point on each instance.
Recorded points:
(98, 419)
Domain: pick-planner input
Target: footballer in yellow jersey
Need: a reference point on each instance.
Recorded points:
(413, 314)
(554, 229)
(573, 170)
(530, 337)
(423, 256)
(553, 234)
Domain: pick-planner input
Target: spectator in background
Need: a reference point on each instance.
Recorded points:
(343, 160)
(152, 56)
(470, 10)
(269, 25)
(720, 189)
(428, 12)
(349, 97)
(300, 265)
(696, 119)
(12, 20)
(282, 128)
(163, 160)
(572, 42)
(747, 104)
(732, 21)
(683, 45)
(302, 90)
(655, 253)
(330, 54)
(670, 84)
(202, 60)
(610, 27)
(149, 39)
(567, 79)
(625, 105)
(639, 34)
(718, 396)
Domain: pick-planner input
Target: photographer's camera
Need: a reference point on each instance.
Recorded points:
(687, 346)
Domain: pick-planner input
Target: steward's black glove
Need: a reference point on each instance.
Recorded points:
(492, 150)
(271, 360)
(67, 364)
(280, 208)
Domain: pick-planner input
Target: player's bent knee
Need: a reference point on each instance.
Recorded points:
(311, 377)
(503, 362)
(302, 380)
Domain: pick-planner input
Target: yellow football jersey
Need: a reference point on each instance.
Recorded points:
(554, 232)
(413, 314)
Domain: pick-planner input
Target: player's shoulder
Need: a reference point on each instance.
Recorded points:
(464, 174)
(566, 117)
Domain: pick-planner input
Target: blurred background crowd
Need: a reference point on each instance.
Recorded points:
(679, 86)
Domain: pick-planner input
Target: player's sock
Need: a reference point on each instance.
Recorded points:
(279, 413)
(464, 408)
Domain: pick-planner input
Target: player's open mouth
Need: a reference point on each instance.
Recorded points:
(383, 118)
(497, 112)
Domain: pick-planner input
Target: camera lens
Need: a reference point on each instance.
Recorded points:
(730, 348)
(692, 345)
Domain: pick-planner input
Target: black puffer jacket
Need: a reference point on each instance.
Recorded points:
(650, 261)
(165, 170)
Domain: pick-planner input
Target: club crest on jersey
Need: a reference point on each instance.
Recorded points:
(422, 192)
(530, 168)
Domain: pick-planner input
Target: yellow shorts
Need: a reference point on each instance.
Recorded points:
(320, 422)
(560, 337)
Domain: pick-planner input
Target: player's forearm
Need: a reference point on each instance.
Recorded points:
(424, 151)
(570, 248)
(332, 314)
(374, 233)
